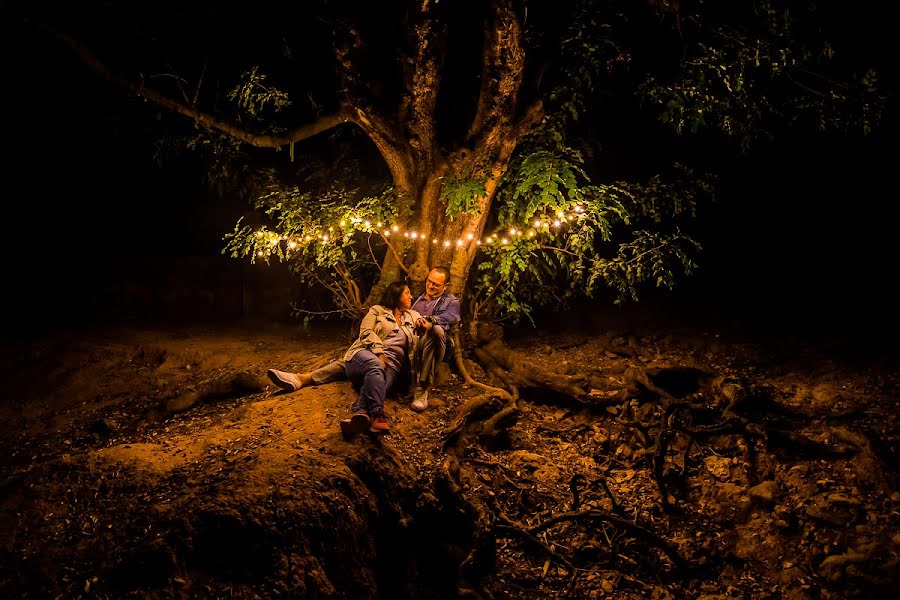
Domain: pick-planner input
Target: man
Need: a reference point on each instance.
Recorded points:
(440, 310)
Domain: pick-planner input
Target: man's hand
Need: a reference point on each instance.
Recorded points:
(423, 325)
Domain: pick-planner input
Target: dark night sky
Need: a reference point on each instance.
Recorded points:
(804, 229)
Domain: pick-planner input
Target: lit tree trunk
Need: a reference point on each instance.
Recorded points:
(411, 151)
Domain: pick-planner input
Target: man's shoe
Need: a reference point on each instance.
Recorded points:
(358, 423)
(380, 425)
(420, 400)
(285, 380)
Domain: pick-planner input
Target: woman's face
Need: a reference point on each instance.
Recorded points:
(405, 299)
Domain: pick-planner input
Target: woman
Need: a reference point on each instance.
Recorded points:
(386, 344)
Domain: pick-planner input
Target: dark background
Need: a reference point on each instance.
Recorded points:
(802, 236)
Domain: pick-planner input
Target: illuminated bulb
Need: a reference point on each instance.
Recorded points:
(537, 222)
(556, 223)
(512, 231)
(368, 224)
(504, 241)
(378, 224)
(434, 241)
(260, 253)
(342, 223)
(292, 245)
(331, 229)
(406, 234)
(324, 238)
(470, 236)
(459, 242)
(530, 234)
(414, 235)
(446, 243)
(559, 213)
(395, 229)
(387, 232)
(308, 237)
(518, 232)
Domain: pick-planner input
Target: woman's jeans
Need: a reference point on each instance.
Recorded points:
(366, 370)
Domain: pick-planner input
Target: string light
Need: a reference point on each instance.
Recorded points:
(540, 224)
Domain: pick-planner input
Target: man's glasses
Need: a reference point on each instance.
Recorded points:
(430, 282)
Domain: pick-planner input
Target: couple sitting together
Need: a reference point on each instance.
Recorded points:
(397, 335)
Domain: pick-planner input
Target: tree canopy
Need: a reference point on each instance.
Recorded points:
(408, 135)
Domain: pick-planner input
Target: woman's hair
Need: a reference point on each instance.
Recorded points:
(391, 296)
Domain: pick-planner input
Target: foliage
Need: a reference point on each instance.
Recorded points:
(254, 94)
(330, 235)
(762, 67)
(461, 195)
(584, 237)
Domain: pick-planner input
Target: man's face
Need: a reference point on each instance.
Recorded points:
(435, 284)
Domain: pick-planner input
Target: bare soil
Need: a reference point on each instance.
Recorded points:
(162, 463)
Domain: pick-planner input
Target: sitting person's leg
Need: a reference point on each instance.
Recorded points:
(433, 347)
(294, 381)
(367, 370)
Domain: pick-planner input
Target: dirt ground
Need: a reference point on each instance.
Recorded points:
(162, 463)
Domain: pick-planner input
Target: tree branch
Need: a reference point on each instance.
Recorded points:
(302, 132)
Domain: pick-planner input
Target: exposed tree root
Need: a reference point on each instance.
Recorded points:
(669, 409)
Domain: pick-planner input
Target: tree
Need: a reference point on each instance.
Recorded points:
(482, 168)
